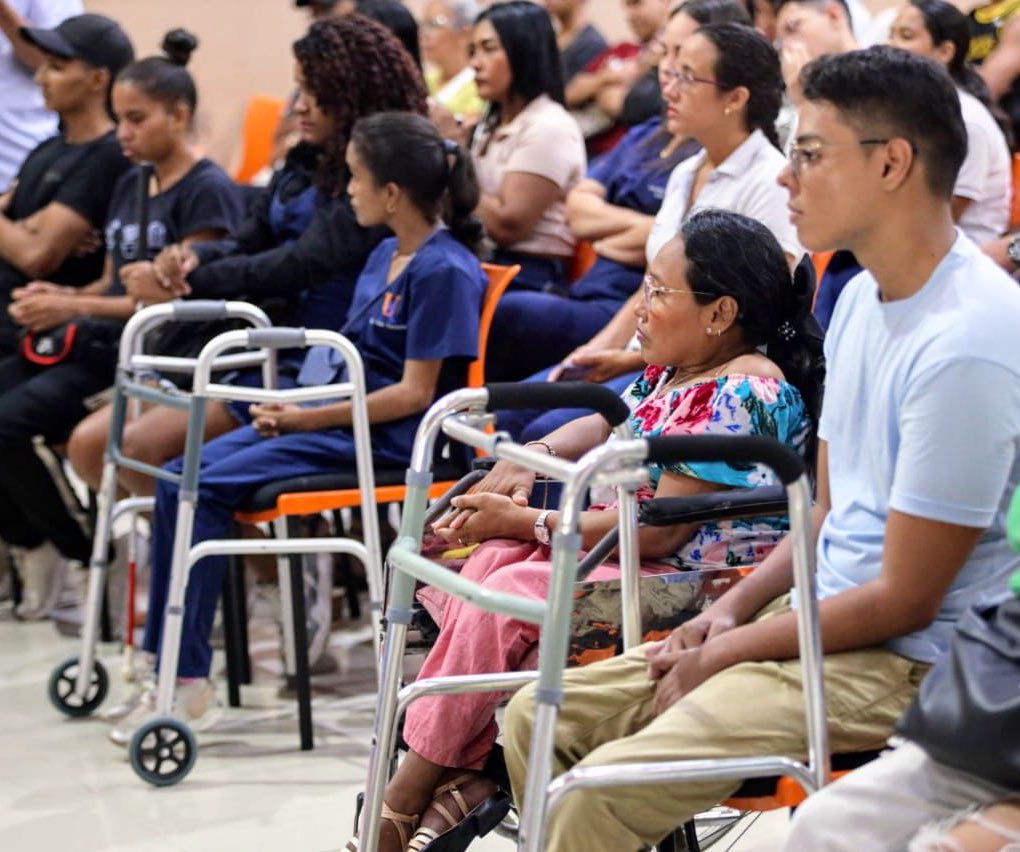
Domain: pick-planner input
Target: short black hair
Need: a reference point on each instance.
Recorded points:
(884, 91)
(818, 5)
(526, 33)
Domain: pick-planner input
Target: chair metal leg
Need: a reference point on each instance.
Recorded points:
(302, 676)
(230, 637)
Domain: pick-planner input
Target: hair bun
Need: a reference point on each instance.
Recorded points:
(178, 45)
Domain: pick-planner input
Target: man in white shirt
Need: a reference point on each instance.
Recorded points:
(24, 120)
(919, 453)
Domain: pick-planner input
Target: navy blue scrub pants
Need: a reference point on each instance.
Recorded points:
(531, 331)
(233, 467)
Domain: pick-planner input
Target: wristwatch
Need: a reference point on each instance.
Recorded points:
(542, 533)
(1013, 251)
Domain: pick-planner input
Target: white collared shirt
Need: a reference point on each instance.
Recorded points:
(745, 182)
(24, 119)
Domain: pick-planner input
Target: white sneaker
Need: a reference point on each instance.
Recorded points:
(195, 704)
(42, 576)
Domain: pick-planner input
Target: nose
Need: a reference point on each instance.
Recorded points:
(787, 178)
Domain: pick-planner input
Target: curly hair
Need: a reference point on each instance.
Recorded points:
(354, 67)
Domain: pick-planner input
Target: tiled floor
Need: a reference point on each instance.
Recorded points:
(65, 788)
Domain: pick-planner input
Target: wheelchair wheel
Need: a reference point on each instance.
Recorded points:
(63, 696)
(162, 751)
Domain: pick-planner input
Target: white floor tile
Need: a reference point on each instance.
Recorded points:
(65, 788)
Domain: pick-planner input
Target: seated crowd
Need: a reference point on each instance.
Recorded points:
(790, 230)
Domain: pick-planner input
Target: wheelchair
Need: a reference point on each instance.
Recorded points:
(464, 416)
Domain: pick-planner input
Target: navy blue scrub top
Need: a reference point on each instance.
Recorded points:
(430, 312)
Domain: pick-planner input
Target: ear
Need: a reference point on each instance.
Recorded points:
(945, 52)
(393, 195)
(897, 157)
(180, 114)
(736, 99)
(724, 313)
(99, 79)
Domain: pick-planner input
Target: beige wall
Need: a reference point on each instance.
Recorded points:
(244, 50)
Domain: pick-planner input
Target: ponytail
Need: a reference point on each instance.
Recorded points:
(733, 255)
(437, 175)
(463, 195)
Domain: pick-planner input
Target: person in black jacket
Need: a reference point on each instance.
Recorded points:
(300, 246)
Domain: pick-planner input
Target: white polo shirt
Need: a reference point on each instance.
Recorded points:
(986, 176)
(745, 182)
(24, 120)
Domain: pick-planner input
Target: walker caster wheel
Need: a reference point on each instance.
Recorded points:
(162, 751)
(63, 696)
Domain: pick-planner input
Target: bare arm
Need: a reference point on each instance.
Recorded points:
(591, 217)
(411, 395)
(488, 515)
(10, 24)
(959, 206)
(511, 215)
(39, 244)
(628, 246)
(1002, 65)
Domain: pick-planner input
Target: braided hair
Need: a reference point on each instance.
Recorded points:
(354, 67)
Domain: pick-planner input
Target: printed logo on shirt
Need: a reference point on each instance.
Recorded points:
(123, 239)
(391, 301)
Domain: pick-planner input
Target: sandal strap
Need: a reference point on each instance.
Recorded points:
(422, 838)
(352, 844)
(451, 820)
(453, 788)
(403, 823)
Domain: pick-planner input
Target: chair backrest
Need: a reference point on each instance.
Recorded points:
(582, 260)
(499, 279)
(261, 119)
(1014, 207)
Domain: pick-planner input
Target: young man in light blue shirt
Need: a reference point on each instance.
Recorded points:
(918, 455)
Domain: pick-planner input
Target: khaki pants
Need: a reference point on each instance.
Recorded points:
(750, 709)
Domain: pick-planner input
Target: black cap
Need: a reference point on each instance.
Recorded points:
(324, 3)
(95, 39)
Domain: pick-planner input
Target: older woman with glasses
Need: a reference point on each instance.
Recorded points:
(445, 37)
(713, 297)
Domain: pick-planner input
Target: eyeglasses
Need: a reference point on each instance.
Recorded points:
(809, 154)
(652, 291)
(686, 79)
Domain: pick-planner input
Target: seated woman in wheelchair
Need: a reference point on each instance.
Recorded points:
(414, 318)
(713, 298)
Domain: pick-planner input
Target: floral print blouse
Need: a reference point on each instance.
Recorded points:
(736, 404)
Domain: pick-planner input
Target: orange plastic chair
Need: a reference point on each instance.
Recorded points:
(583, 259)
(261, 119)
(313, 502)
(1014, 213)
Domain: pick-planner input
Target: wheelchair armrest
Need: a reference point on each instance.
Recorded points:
(715, 505)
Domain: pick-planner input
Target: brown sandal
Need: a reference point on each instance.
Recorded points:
(424, 835)
(401, 822)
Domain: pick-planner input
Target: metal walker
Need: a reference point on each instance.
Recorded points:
(619, 463)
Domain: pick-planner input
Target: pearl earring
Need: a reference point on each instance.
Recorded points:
(708, 330)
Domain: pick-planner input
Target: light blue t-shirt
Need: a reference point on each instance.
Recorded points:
(922, 416)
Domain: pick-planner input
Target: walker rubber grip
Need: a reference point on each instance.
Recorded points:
(276, 338)
(767, 500)
(550, 395)
(739, 449)
(200, 310)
